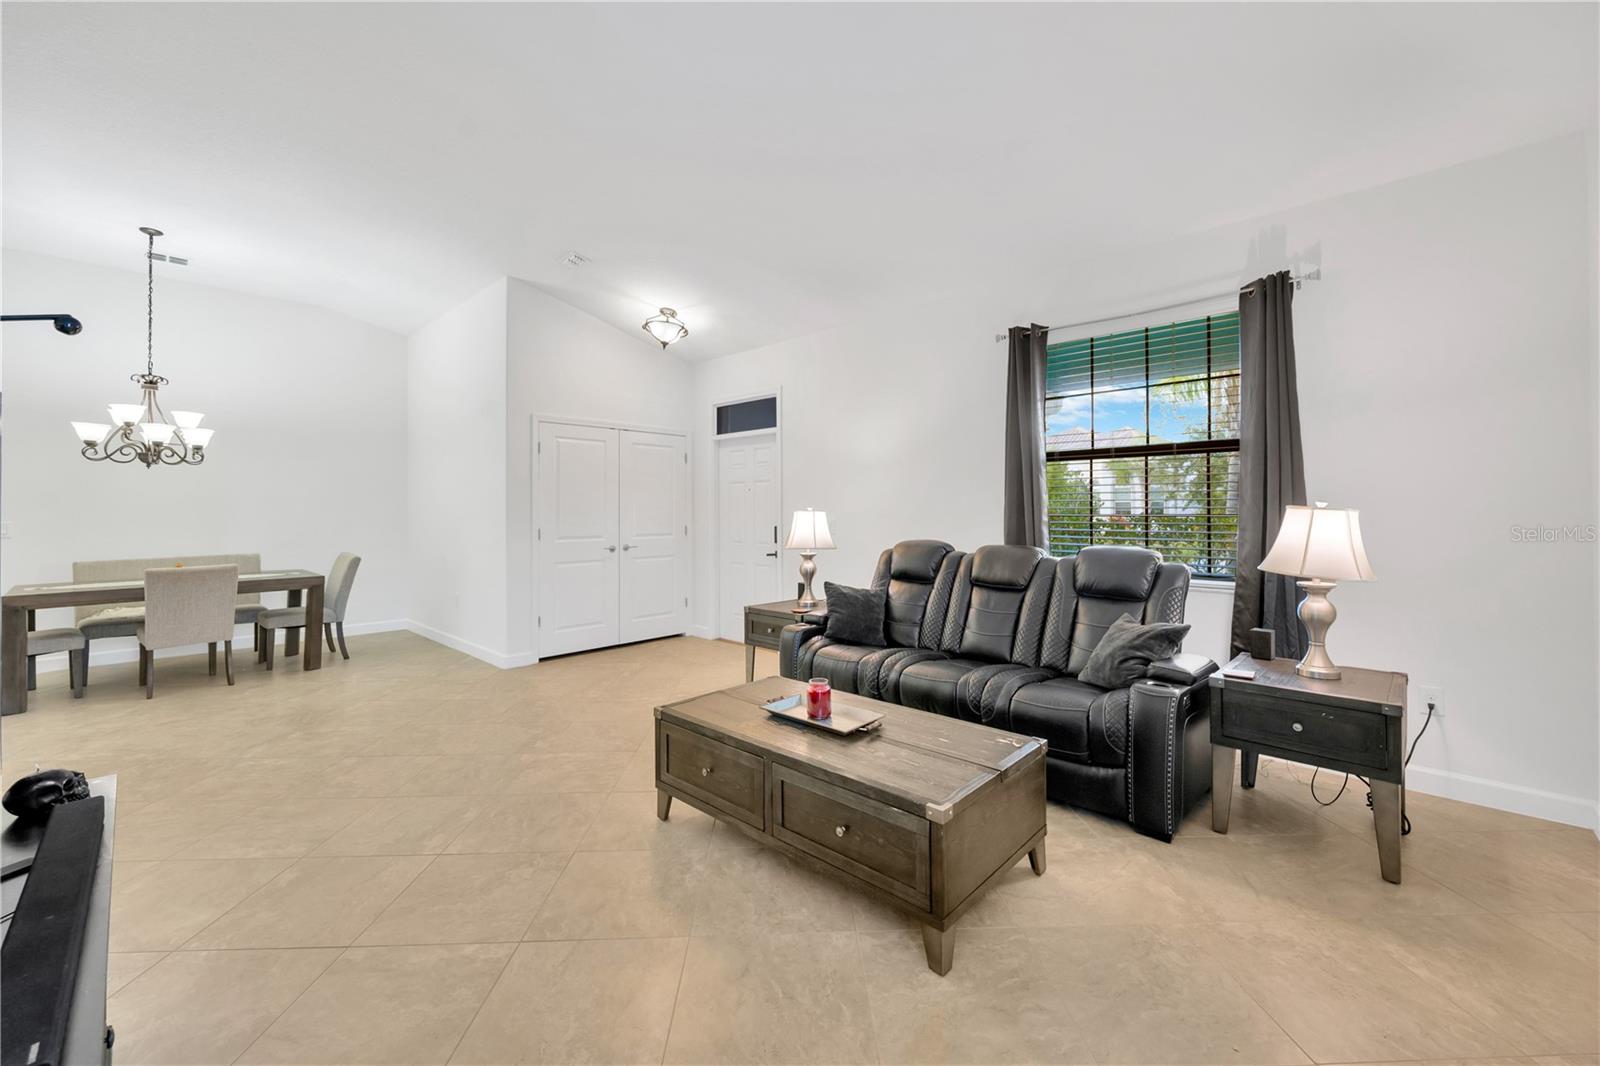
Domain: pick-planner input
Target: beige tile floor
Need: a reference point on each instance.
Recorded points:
(414, 857)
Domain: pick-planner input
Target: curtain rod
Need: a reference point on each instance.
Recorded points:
(1298, 279)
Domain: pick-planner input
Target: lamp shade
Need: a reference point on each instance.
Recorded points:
(809, 531)
(1319, 542)
(90, 432)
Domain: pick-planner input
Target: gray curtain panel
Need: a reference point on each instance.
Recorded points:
(1025, 503)
(1272, 472)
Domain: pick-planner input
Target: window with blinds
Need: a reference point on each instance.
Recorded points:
(1142, 441)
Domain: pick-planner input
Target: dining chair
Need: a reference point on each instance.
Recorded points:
(187, 605)
(67, 639)
(336, 597)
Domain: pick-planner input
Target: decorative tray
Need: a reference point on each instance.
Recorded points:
(844, 720)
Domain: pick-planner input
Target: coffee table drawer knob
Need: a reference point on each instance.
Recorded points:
(839, 830)
(1298, 728)
(705, 771)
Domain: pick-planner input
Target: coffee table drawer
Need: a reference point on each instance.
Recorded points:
(719, 774)
(877, 843)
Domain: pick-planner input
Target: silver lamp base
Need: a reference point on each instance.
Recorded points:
(808, 570)
(1317, 613)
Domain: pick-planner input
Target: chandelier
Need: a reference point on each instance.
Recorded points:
(666, 328)
(142, 431)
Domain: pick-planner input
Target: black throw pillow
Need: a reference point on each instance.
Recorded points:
(1126, 651)
(855, 616)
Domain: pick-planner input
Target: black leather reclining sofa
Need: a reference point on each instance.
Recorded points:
(998, 636)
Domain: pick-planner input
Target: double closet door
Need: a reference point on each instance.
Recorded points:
(612, 536)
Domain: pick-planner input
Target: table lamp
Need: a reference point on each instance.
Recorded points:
(1322, 546)
(809, 534)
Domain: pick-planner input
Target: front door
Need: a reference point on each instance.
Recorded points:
(747, 528)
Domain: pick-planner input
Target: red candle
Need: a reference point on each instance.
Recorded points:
(819, 699)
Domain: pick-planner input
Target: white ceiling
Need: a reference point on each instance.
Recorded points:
(768, 170)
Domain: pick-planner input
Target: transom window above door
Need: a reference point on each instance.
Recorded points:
(1142, 441)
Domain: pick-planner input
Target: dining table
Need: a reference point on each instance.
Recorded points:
(18, 605)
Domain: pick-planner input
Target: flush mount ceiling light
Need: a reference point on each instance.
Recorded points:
(142, 431)
(665, 327)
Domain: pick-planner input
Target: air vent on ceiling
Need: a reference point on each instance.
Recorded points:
(574, 259)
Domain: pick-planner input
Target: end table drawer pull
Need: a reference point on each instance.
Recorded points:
(1298, 728)
(840, 830)
(705, 771)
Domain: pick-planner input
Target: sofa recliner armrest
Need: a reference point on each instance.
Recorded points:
(790, 641)
(1184, 668)
(1159, 713)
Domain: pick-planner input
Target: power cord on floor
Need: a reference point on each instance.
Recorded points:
(1405, 819)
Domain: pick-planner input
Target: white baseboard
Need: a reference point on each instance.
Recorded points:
(467, 647)
(1518, 799)
(113, 650)
(703, 632)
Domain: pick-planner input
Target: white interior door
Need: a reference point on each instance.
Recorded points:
(747, 528)
(579, 559)
(654, 534)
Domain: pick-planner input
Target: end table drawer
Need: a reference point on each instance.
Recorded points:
(763, 630)
(719, 774)
(1353, 736)
(877, 843)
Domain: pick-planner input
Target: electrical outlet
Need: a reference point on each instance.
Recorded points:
(1427, 694)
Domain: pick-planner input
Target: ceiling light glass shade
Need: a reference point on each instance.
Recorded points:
(1319, 542)
(91, 432)
(186, 419)
(125, 414)
(809, 531)
(665, 327)
(156, 432)
(198, 438)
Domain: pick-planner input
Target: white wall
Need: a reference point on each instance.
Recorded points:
(563, 363)
(456, 462)
(307, 460)
(1447, 384)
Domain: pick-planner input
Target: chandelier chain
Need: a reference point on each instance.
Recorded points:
(150, 307)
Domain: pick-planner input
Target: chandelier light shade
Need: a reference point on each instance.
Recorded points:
(665, 327)
(143, 432)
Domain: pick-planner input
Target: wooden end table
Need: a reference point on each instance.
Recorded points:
(763, 626)
(1356, 725)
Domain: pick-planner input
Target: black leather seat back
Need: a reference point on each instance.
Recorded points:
(987, 604)
(910, 573)
(1098, 586)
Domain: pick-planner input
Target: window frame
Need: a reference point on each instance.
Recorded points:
(1207, 447)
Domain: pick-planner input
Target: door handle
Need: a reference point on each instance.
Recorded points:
(611, 547)
(627, 547)
(772, 555)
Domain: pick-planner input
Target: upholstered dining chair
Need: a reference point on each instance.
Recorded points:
(187, 605)
(335, 598)
(67, 639)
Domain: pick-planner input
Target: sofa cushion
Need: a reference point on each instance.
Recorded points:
(1126, 651)
(991, 600)
(914, 577)
(1081, 722)
(839, 663)
(855, 616)
(931, 685)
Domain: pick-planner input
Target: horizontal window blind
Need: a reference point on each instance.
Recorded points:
(1142, 441)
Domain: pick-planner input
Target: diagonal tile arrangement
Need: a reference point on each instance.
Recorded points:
(414, 857)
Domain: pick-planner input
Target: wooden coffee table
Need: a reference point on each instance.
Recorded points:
(922, 813)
